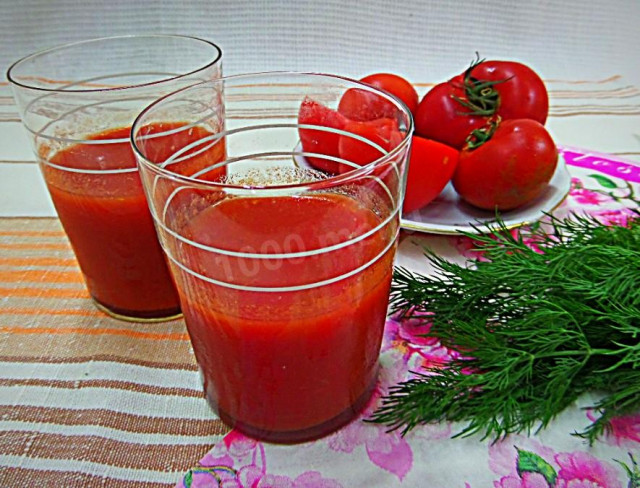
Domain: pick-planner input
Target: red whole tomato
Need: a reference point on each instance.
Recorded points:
(319, 141)
(442, 118)
(382, 132)
(522, 92)
(450, 111)
(510, 169)
(431, 166)
(362, 105)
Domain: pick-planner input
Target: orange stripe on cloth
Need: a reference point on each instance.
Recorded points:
(96, 449)
(31, 233)
(15, 246)
(156, 336)
(179, 366)
(50, 311)
(17, 476)
(26, 292)
(38, 261)
(39, 276)
(125, 422)
(107, 384)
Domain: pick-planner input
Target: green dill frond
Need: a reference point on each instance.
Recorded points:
(542, 327)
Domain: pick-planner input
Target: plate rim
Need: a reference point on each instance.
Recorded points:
(408, 224)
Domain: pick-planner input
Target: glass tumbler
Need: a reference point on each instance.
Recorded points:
(77, 103)
(282, 251)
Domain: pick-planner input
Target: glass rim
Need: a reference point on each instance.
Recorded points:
(329, 182)
(58, 167)
(61, 47)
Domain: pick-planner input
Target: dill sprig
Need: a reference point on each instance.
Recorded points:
(536, 328)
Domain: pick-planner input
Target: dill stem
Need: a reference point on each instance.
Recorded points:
(588, 352)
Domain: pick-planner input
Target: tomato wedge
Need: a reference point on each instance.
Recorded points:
(362, 105)
(382, 132)
(431, 166)
(318, 141)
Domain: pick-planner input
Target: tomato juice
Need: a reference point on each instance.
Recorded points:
(98, 195)
(287, 344)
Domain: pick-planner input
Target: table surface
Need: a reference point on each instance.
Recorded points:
(86, 400)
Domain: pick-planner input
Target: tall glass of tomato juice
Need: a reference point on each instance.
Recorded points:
(283, 267)
(77, 103)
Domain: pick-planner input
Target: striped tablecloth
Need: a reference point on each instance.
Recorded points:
(86, 399)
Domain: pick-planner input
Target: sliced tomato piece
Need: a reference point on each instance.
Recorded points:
(431, 166)
(318, 141)
(382, 132)
(361, 105)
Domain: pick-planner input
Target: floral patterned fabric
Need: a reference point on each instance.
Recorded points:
(364, 454)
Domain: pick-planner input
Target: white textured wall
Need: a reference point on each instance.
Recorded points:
(424, 40)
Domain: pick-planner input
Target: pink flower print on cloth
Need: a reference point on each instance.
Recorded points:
(624, 431)
(582, 470)
(540, 467)
(241, 462)
(386, 450)
(404, 349)
(585, 196)
(618, 216)
(407, 337)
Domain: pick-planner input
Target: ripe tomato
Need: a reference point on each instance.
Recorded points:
(510, 169)
(318, 141)
(383, 132)
(451, 110)
(523, 94)
(431, 166)
(362, 105)
(442, 118)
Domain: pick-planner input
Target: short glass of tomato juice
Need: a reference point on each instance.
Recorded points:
(78, 102)
(283, 268)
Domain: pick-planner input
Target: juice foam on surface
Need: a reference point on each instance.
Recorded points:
(264, 177)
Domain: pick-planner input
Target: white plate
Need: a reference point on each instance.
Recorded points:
(448, 214)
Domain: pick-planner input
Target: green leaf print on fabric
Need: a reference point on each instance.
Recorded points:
(529, 462)
(604, 181)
